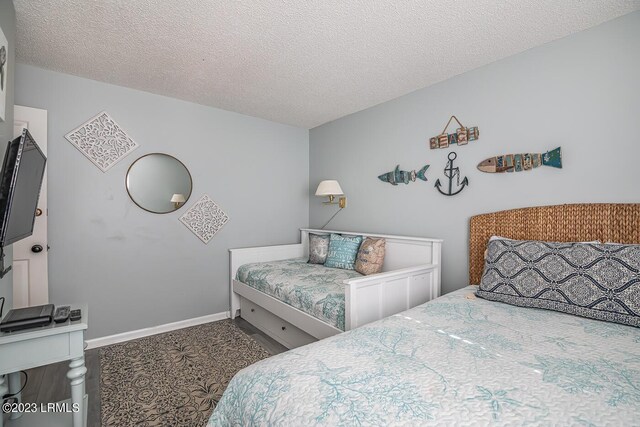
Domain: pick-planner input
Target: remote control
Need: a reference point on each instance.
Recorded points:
(61, 314)
(76, 314)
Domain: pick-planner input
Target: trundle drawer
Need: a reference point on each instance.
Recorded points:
(280, 330)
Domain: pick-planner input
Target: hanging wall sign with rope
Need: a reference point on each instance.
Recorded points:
(462, 136)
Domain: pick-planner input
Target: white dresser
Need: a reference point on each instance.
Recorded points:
(41, 346)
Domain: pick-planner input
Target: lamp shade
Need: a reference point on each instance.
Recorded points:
(178, 198)
(329, 188)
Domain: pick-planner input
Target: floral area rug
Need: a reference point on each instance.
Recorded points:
(175, 378)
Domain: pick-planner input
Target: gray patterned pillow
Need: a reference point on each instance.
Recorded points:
(318, 248)
(599, 281)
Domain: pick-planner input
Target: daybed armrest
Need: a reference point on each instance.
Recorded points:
(386, 275)
(370, 298)
(242, 256)
(238, 257)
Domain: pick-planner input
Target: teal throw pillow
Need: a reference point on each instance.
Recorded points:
(343, 251)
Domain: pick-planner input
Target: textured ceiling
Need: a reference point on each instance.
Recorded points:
(292, 61)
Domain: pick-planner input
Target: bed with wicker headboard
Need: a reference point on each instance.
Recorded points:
(461, 359)
(606, 222)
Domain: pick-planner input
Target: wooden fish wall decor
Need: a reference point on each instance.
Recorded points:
(397, 176)
(521, 162)
(462, 136)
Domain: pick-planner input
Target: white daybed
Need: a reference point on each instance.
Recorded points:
(410, 277)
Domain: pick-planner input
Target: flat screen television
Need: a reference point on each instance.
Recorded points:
(20, 182)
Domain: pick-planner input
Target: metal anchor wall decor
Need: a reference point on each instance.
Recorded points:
(451, 173)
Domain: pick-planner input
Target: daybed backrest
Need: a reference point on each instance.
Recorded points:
(401, 251)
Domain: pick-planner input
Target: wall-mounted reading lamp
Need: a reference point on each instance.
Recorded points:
(331, 189)
(178, 200)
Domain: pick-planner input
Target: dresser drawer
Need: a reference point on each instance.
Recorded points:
(280, 330)
(44, 350)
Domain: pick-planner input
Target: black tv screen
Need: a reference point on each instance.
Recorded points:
(22, 173)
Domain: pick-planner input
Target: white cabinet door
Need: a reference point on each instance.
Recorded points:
(30, 266)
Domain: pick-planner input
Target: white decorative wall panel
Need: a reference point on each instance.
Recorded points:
(102, 141)
(204, 218)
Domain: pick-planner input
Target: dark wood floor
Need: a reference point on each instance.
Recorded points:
(49, 383)
(268, 343)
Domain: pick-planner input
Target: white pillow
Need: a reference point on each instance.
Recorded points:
(492, 238)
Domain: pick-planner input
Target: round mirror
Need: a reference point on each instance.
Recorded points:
(159, 183)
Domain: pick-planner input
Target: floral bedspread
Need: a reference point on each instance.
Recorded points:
(313, 288)
(457, 360)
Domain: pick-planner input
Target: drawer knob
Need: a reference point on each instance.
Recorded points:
(253, 309)
(284, 327)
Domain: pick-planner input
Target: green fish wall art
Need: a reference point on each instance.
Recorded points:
(521, 162)
(397, 176)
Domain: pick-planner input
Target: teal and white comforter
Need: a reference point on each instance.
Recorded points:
(458, 360)
(313, 288)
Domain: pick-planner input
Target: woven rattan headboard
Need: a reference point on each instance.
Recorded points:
(561, 223)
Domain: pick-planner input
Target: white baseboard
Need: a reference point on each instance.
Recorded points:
(140, 333)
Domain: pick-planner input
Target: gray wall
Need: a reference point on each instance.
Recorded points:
(136, 269)
(8, 25)
(581, 92)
